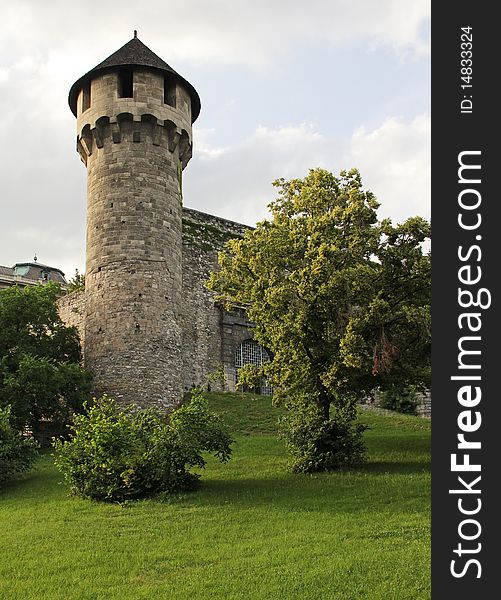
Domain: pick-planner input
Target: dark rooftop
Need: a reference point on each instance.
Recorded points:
(33, 271)
(37, 265)
(133, 53)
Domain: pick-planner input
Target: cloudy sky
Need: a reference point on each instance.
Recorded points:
(286, 85)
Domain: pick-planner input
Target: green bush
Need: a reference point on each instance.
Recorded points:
(316, 444)
(17, 452)
(400, 399)
(116, 453)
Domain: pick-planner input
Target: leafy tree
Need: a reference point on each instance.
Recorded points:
(40, 372)
(250, 376)
(76, 283)
(339, 297)
(17, 452)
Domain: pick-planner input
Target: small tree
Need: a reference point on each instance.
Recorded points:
(218, 377)
(17, 452)
(341, 299)
(250, 376)
(76, 283)
(114, 453)
(40, 373)
(402, 399)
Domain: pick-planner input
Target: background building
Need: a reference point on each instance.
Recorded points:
(30, 273)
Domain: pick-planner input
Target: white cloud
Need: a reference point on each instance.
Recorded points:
(394, 161)
(203, 147)
(236, 183)
(237, 32)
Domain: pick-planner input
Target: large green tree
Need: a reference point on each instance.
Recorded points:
(340, 298)
(40, 373)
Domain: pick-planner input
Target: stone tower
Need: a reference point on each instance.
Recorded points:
(134, 116)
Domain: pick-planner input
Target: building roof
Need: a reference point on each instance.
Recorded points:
(38, 266)
(30, 273)
(133, 54)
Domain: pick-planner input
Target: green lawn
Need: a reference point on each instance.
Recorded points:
(252, 531)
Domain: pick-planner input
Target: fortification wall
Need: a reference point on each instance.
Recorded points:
(206, 339)
(423, 404)
(236, 329)
(209, 334)
(72, 311)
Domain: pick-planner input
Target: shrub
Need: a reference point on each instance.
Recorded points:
(17, 452)
(250, 377)
(316, 444)
(116, 454)
(218, 377)
(399, 398)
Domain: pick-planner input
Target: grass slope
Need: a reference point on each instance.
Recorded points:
(252, 531)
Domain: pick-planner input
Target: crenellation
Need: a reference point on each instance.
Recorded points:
(137, 129)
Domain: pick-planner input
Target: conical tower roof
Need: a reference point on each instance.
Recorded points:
(133, 54)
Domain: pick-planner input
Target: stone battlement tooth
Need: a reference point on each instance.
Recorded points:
(136, 129)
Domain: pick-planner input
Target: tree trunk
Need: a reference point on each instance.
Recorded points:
(324, 404)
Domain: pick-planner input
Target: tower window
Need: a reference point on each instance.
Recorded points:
(125, 82)
(170, 90)
(86, 97)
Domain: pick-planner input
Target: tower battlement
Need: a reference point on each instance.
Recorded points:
(136, 128)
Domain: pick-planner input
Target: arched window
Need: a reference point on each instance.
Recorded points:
(250, 352)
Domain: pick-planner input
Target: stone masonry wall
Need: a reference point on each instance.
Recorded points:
(72, 311)
(210, 335)
(236, 329)
(423, 404)
(205, 335)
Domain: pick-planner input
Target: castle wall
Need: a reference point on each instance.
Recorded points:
(236, 329)
(150, 328)
(210, 335)
(423, 404)
(207, 336)
(71, 309)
